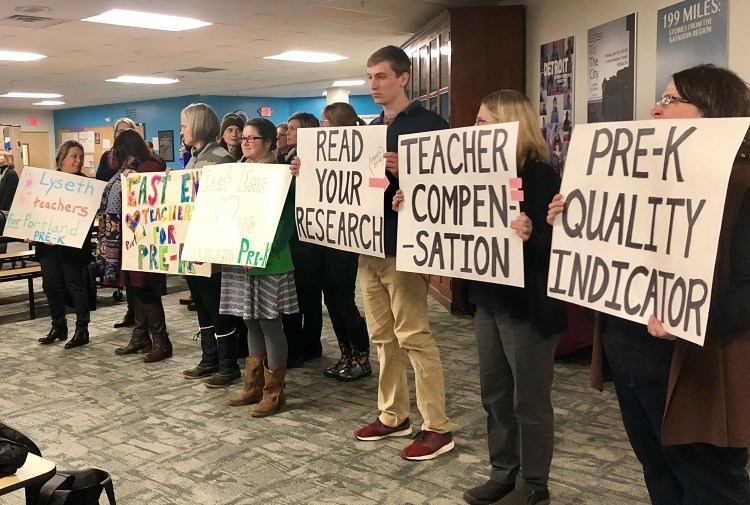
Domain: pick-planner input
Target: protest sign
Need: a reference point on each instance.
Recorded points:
(644, 201)
(460, 195)
(156, 212)
(339, 191)
(236, 213)
(53, 207)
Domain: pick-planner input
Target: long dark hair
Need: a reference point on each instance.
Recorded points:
(130, 143)
(716, 92)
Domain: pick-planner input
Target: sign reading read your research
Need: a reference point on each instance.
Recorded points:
(339, 193)
(460, 195)
(157, 209)
(53, 207)
(643, 207)
(236, 213)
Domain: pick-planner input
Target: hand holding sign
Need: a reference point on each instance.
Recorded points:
(391, 163)
(397, 199)
(522, 225)
(295, 166)
(556, 207)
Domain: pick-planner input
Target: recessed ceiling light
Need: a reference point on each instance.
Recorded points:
(147, 20)
(136, 79)
(16, 56)
(20, 94)
(354, 82)
(306, 56)
(50, 102)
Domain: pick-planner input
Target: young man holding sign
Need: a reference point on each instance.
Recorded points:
(396, 302)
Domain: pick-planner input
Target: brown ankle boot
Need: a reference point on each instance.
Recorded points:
(252, 391)
(273, 392)
(161, 350)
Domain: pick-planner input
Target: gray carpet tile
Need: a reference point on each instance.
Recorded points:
(167, 440)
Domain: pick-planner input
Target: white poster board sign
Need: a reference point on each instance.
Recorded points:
(644, 203)
(236, 213)
(53, 207)
(339, 190)
(460, 194)
(157, 209)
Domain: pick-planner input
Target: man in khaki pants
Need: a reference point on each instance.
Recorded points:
(396, 302)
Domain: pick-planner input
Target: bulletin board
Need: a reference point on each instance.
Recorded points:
(102, 136)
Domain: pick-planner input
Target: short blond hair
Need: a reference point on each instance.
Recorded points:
(9, 159)
(508, 105)
(202, 122)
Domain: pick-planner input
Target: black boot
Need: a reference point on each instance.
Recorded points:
(58, 331)
(358, 368)
(229, 370)
(335, 369)
(209, 362)
(139, 340)
(157, 325)
(127, 320)
(80, 337)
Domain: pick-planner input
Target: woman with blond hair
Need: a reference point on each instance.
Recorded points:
(517, 329)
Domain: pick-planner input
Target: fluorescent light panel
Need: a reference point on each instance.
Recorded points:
(343, 84)
(50, 102)
(136, 79)
(20, 94)
(17, 56)
(148, 20)
(306, 57)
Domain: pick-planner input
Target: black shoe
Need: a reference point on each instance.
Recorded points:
(526, 497)
(80, 337)
(186, 301)
(487, 493)
(57, 332)
(295, 363)
(191, 307)
(334, 370)
(127, 320)
(355, 371)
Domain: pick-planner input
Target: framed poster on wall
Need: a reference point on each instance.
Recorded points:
(611, 50)
(556, 86)
(166, 144)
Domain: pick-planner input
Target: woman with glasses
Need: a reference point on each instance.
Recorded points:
(261, 296)
(199, 126)
(685, 408)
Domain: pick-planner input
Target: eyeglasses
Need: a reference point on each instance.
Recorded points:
(666, 100)
(251, 139)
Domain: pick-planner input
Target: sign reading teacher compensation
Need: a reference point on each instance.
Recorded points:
(460, 195)
(339, 190)
(236, 213)
(644, 203)
(53, 207)
(157, 209)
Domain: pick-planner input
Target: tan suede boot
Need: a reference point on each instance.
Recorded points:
(273, 392)
(252, 391)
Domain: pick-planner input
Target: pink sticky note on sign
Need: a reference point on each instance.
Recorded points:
(516, 195)
(515, 183)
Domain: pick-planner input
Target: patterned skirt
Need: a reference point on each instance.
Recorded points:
(257, 296)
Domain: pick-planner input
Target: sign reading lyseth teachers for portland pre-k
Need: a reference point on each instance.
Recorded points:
(157, 209)
(53, 207)
(643, 210)
(339, 190)
(460, 195)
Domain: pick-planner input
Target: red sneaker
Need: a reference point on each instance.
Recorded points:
(428, 445)
(379, 431)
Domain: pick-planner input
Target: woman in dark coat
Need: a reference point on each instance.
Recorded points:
(150, 332)
(64, 268)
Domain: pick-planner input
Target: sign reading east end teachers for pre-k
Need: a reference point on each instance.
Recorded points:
(643, 210)
(236, 213)
(156, 211)
(339, 190)
(460, 195)
(53, 207)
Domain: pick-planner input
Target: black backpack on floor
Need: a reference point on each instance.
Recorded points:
(78, 487)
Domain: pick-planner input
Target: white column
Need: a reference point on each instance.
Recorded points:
(334, 95)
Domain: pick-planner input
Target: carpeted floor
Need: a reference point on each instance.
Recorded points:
(167, 440)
